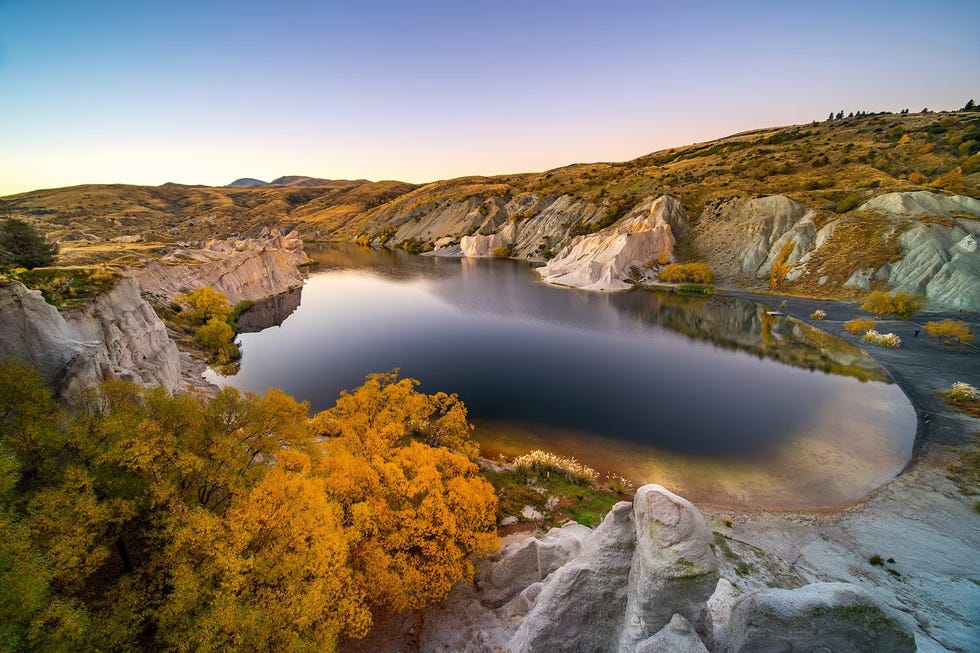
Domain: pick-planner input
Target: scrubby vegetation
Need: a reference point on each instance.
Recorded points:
(68, 286)
(859, 325)
(900, 304)
(209, 315)
(504, 251)
(136, 520)
(699, 273)
(819, 314)
(556, 496)
(541, 462)
(965, 469)
(883, 339)
(950, 331)
(964, 397)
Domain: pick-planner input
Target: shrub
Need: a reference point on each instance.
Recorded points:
(216, 338)
(876, 560)
(687, 273)
(900, 304)
(504, 251)
(541, 462)
(961, 391)
(22, 246)
(859, 325)
(818, 314)
(618, 484)
(852, 201)
(883, 339)
(781, 266)
(950, 330)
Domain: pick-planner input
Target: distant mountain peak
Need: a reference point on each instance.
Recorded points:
(248, 181)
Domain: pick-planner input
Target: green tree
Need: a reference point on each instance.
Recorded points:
(21, 245)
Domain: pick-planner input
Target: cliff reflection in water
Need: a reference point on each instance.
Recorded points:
(270, 312)
(739, 324)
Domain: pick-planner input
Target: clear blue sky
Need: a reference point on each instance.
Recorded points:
(205, 92)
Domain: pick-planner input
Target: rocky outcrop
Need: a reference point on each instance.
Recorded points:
(581, 606)
(606, 259)
(769, 224)
(838, 617)
(646, 581)
(117, 335)
(532, 561)
(248, 269)
(920, 203)
(674, 570)
(480, 245)
(678, 636)
(937, 235)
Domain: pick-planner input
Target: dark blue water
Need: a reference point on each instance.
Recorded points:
(641, 374)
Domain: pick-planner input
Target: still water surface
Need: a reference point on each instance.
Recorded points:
(710, 397)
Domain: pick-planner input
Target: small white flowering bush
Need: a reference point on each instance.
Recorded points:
(618, 484)
(961, 391)
(818, 314)
(883, 339)
(541, 462)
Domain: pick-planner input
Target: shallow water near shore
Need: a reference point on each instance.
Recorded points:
(712, 397)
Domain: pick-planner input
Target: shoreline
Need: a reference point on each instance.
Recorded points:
(919, 519)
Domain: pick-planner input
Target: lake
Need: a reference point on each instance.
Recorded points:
(712, 397)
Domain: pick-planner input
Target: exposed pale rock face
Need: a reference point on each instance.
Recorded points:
(480, 246)
(678, 636)
(644, 582)
(922, 202)
(117, 335)
(34, 332)
(604, 260)
(940, 262)
(768, 221)
(838, 617)
(242, 269)
(519, 565)
(134, 339)
(580, 607)
(674, 570)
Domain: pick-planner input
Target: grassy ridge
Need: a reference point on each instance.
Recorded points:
(831, 166)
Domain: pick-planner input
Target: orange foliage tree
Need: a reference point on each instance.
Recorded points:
(138, 519)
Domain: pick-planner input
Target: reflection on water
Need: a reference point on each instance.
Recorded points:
(269, 312)
(690, 392)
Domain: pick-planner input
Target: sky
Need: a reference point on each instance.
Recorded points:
(206, 92)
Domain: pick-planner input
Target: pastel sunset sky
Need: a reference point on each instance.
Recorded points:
(206, 92)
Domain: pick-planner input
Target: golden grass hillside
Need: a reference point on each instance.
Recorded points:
(831, 166)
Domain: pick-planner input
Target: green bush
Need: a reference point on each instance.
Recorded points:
(22, 246)
(852, 201)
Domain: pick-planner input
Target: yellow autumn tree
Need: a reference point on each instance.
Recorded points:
(135, 519)
(203, 304)
(271, 573)
(415, 512)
